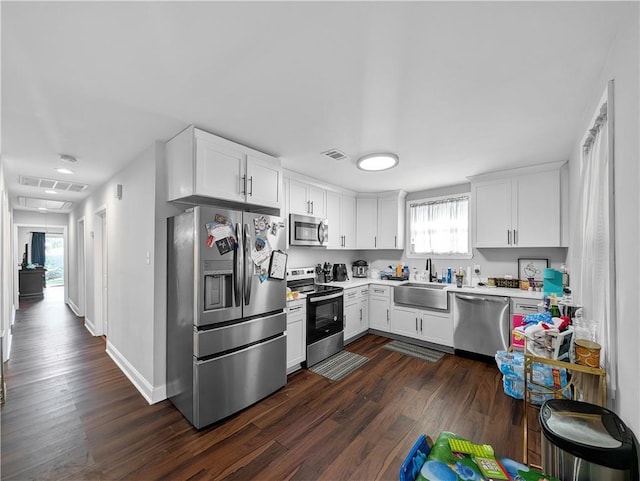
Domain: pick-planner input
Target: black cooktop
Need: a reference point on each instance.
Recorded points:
(313, 288)
(326, 289)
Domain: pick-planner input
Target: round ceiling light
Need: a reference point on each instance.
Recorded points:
(377, 162)
(68, 158)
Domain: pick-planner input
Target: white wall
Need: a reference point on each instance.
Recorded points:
(162, 212)
(7, 306)
(131, 252)
(622, 66)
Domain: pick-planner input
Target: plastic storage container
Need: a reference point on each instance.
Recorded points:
(511, 365)
(585, 442)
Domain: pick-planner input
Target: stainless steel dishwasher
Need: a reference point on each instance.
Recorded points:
(481, 323)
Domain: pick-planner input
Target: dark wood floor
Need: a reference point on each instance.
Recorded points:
(71, 414)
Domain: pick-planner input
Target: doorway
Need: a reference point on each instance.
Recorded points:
(54, 260)
(101, 273)
(81, 269)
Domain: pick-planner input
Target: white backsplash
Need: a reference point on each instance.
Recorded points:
(493, 262)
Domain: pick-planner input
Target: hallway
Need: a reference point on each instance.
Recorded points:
(65, 397)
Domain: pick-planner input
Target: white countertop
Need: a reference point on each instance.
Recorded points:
(362, 281)
(487, 291)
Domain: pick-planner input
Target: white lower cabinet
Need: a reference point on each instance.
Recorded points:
(356, 306)
(426, 325)
(380, 307)
(296, 333)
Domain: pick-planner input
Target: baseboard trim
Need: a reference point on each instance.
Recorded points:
(90, 326)
(74, 308)
(151, 394)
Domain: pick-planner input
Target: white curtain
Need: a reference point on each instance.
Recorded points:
(440, 227)
(595, 289)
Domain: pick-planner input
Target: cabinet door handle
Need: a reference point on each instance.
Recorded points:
(508, 237)
(312, 207)
(360, 315)
(420, 324)
(375, 241)
(395, 241)
(243, 186)
(387, 316)
(251, 180)
(515, 237)
(295, 308)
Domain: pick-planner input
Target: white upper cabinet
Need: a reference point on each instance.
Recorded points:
(518, 208)
(391, 221)
(200, 164)
(341, 214)
(348, 222)
(366, 222)
(380, 221)
(492, 206)
(264, 178)
(306, 199)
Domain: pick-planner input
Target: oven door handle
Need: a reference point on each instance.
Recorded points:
(325, 298)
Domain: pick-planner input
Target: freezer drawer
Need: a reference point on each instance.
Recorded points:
(227, 384)
(210, 342)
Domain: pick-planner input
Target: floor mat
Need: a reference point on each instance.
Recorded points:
(424, 353)
(339, 365)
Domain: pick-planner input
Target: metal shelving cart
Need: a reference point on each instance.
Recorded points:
(588, 384)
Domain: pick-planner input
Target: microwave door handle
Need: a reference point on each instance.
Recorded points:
(247, 266)
(237, 267)
(321, 233)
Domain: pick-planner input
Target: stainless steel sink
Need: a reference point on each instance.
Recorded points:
(424, 295)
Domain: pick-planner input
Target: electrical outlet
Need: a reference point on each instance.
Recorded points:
(476, 269)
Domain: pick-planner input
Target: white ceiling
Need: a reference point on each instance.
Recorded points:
(454, 88)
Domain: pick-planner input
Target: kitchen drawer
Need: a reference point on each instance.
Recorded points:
(351, 294)
(379, 290)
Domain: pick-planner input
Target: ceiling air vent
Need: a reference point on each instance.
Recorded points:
(335, 154)
(33, 203)
(52, 184)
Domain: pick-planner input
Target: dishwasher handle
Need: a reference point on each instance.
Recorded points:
(482, 298)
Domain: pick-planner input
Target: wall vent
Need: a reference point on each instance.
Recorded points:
(335, 154)
(34, 203)
(52, 184)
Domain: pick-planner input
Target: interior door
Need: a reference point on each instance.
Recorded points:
(103, 257)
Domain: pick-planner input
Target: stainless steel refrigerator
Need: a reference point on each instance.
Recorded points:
(226, 294)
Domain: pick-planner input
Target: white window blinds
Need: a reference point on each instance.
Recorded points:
(440, 226)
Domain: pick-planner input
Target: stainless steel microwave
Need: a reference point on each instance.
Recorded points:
(308, 231)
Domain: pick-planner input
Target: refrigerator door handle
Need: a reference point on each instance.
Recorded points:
(237, 268)
(247, 265)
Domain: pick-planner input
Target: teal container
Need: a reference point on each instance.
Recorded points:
(551, 282)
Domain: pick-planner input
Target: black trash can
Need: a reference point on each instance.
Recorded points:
(585, 442)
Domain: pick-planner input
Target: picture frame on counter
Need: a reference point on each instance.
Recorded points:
(532, 267)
